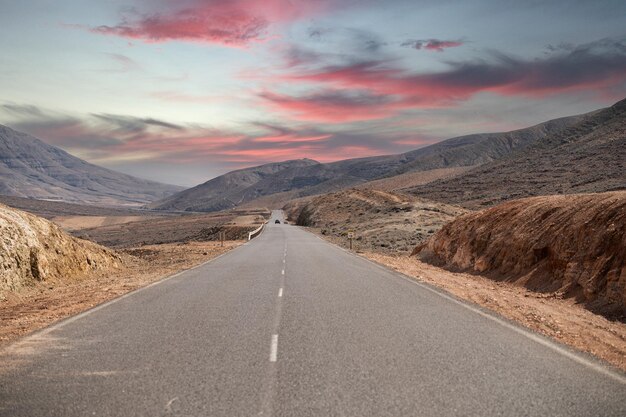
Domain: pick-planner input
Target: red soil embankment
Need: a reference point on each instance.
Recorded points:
(573, 246)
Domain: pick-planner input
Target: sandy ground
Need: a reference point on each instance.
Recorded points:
(71, 223)
(560, 319)
(37, 307)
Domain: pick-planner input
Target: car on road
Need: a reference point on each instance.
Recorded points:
(277, 221)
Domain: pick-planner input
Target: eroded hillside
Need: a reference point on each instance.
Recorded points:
(382, 221)
(33, 249)
(572, 246)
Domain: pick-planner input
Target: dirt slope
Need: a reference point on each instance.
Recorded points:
(383, 221)
(33, 249)
(574, 246)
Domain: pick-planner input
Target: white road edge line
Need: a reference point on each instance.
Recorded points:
(274, 348)
(574, 356)
(280, 292)
(85, 313)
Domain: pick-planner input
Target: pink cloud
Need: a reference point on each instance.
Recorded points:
(332, 106)
(291, 138)
(429, 90)
(598, 66)
(107, 139)
(224, 22)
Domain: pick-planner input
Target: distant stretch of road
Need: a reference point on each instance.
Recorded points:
(289, 325)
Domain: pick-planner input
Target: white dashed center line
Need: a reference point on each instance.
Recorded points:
(274, 348)
(280, 292)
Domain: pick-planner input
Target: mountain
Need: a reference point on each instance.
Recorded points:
(34, 169)
(231, 189)
(292, 180)
(587, 157)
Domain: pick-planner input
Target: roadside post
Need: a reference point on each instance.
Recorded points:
(350, 237)
(222, 237)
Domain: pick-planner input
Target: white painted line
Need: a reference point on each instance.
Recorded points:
(616, 375)
(59, 324)
(274, 348)
(283, 272)
(280, 292)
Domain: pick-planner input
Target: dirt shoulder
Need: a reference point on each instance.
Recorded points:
(36, 307)
(545, 313)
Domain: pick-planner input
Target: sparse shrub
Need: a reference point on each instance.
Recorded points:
(305, 217)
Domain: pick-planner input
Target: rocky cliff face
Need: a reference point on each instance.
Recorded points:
(572, 245)
(33, 249)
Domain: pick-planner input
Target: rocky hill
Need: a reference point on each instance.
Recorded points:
(587, 157)
(381, 221)
(304, 178)
(33, 250)
(573, 246)
(32, 168)
(234, 188)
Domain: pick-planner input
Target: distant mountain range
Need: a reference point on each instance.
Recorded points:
(583, 153)
(34, 169)
(586, 157)
(305, 177)
(231, 189)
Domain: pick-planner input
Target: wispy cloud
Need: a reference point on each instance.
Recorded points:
(108, 138)
(596, 66)
(333, 106)
(124, 63)
(437, 45)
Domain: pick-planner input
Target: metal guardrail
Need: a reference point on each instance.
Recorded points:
(254, 232)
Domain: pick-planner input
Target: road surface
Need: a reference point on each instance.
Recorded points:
(289, 325)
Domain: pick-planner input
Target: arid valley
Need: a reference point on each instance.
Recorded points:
(288, 208)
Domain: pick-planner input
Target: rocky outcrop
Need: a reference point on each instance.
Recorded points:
(33, 249)
(574, 246)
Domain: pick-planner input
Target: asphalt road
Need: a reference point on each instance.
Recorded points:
(289, 325)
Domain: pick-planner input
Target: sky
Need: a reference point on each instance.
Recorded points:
(182, 91)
